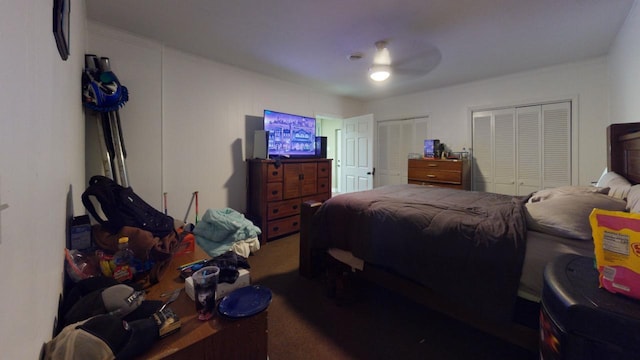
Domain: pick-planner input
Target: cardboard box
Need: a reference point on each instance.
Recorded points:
(616, 236)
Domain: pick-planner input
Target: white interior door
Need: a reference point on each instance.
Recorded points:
(337, 163)
(357, 154)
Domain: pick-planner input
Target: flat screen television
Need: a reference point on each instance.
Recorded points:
(290, 135)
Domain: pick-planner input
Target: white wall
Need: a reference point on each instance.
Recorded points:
(138, 65)
(624, 70)
(42, 135)
(449, 108)
(186, 124)
(41, 168)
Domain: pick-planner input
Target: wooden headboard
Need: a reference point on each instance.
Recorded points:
(623, 150)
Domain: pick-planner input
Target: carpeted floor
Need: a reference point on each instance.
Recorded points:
(304, 323)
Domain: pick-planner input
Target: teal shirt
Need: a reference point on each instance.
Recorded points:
(220, 228)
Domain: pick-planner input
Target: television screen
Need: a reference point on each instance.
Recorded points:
(290, 135)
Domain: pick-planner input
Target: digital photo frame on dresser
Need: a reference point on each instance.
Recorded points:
(431, 147)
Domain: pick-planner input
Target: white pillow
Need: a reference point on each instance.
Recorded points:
(604, 172)
(546, 194)
(619, 187)
(633, 199)
(567, 215)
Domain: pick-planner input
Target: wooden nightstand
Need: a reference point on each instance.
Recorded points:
(440, 172)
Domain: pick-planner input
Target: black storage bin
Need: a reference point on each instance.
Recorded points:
(580, 320)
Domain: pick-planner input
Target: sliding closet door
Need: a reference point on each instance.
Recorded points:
(520, 150)
(494, 151)
(482, 123)
(396, 140)
(529, 149)
(504, 156)
(556, 134)
(388, 169)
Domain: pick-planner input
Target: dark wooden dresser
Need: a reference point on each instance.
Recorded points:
(275, 192)
(440, 172)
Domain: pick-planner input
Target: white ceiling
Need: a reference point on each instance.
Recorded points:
(309, 41)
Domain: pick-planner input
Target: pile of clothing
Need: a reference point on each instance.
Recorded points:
(226, 229)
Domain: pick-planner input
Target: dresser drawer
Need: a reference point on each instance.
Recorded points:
(283, 226)
(434, 175)
(446, 185)
(281, 209)
(274, 191)
(324, 169)
(435, 164)
(324, 185)
(439, 172)
(274, 173)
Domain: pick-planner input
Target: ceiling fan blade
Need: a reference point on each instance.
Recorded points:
(418, 64)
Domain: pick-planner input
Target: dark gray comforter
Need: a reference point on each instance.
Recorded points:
(468, 246)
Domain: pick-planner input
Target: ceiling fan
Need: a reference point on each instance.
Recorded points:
(380, 70)
(415, 64)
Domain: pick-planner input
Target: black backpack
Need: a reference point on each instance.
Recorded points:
(120, 206)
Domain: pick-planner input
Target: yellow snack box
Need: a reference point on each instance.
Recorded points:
(616, 236)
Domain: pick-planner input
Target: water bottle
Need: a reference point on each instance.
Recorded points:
(123, 261)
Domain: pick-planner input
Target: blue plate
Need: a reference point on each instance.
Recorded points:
(245, 301)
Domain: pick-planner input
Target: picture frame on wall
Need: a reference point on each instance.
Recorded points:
(61, 10)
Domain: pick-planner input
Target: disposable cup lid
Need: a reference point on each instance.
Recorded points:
(205, 273)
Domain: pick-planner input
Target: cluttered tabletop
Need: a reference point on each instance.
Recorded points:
(138, 286)
(192, 330)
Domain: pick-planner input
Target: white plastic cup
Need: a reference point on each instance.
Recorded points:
(205, 284)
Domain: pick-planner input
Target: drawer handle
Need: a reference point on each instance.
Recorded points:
(274, 192)
(431, 176)
(295, 207)
(275, 228)
(295, 223)
(432, 165)
(275, 211)
(275, 173)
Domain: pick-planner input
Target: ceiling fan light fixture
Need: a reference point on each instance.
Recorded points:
(379, 72)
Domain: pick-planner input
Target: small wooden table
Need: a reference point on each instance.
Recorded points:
(218, 338)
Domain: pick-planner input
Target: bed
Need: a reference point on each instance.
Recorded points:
(472, 255)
